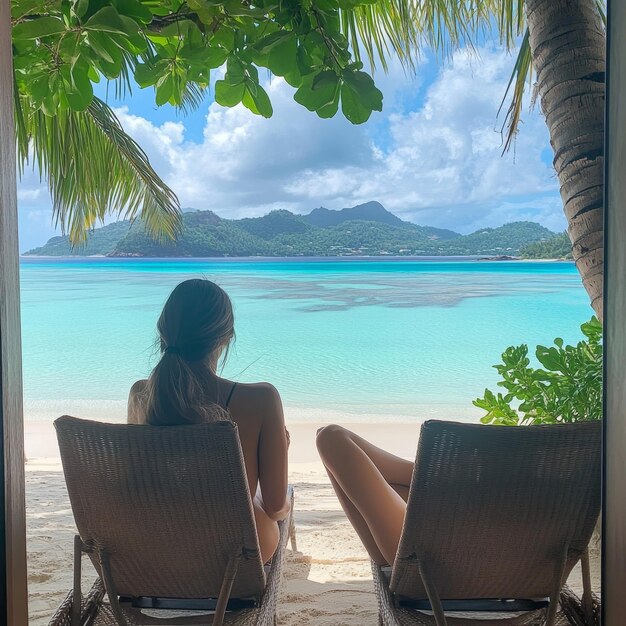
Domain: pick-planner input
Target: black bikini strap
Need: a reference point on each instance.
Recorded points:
(230, 395)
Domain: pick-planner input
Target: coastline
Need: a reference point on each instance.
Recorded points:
(400, 437)
(473, 257)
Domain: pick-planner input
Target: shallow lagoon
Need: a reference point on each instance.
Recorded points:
(342, 339)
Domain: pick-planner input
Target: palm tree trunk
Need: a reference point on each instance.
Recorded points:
(567, 41)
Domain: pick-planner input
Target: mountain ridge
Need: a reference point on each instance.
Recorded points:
(364, 230)
(369, 212)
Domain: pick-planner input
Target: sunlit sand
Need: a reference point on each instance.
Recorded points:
(327, 582)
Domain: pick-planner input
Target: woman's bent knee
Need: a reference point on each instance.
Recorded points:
(329, 436)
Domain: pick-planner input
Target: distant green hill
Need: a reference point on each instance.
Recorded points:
(505, 240)
(101, 241)
(281, 233)
(556, 247)
(274, 224)
(204, 234)
(369, 212)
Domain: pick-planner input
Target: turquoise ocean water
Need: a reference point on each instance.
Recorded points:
(342, 339)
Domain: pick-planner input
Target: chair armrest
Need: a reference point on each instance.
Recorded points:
(274, 576)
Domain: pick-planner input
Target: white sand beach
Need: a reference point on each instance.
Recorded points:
(327, 582)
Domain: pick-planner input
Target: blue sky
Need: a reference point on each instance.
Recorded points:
(433, 156)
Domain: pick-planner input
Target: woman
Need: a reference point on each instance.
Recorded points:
(195, 329)
(372, 486)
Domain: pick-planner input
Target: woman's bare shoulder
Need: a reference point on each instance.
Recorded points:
(138, 387)
(252, 397)
(256, 391)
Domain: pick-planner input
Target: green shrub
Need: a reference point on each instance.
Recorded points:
(567, 389)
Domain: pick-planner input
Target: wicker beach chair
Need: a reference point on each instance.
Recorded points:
(165, 515)
(496, 519)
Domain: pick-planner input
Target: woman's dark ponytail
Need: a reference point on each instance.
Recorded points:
(196, 325)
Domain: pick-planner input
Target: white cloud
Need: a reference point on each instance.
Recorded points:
(30, 195)
(433, 156)
(31, 190)
(439, 163)
(245, 163)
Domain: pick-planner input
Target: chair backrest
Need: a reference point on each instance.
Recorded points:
(168, 505)
(492, 509)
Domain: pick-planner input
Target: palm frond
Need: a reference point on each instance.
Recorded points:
(124, 82)
(511, 21)
(383, 29)
(94, 168)
(21, 133)
(405, 28)
(452, 24)
(446, 25)
(601, 7)
(193, 97)
(520, 79)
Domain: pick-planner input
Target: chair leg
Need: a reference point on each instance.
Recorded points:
(77, 599)
(433, 597)
(292, 534)
(559, 575)
(587, 600)
(111, 590)
(227, 585)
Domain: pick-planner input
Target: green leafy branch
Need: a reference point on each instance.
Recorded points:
(567, 389)
(61, 48)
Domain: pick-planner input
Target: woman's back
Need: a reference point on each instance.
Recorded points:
(195, 330)
(257, 410)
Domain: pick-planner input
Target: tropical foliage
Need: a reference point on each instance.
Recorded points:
(62, 47)
(507, 239)
(557, 247)
(567, 388)
(282, 233)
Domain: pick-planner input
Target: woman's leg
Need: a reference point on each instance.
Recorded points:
(358, 522)
(372, 486)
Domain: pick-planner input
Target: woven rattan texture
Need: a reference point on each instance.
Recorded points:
(90, 605)
(169, 505)
(97, 612)
(491, 509)
(390, 615)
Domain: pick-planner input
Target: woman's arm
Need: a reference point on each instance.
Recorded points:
(273, 446)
